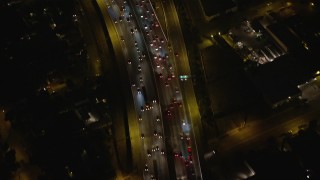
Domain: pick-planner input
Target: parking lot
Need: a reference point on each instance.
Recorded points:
(253, 45)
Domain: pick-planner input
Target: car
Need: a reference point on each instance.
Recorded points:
(169, 78)
(177, 90)
(139, 68)
(171, 106)
(129, 61)
(178, 154)
(131, 31)
(130, 14)
(122, 39)
(142, 108)
(158, 118)
(148, 107)
(187, 163)
(123, 8)
(174, 100)
(189, 150)
(176, 54)
(120, 19)
(139, 90)
(190, 158)
(181, 136)
(155, 133)
(160, 75)
(142, 136)
(159, 135)
(149, 153)
(128, 19)
(146, 168)
(155, 148)
(166, 83)
(140, 59)
(140, 79)
(133, 85)
(168, 112)
(162, 152)
(139, 118)
(135, 43)
(145, 26)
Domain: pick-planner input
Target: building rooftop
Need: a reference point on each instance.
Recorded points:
(285, 36)
(278, 80)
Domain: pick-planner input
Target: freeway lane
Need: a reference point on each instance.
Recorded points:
(177, 125)
(161, 59)
(182, 64)
(134, 47)
(125, 84)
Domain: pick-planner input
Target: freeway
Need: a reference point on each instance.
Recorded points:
(136, 55)
(163, 121)
(176, 121)
(181, 62)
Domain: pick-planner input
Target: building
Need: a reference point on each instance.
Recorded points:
(278, 81)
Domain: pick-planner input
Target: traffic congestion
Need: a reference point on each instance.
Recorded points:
(155, 89)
